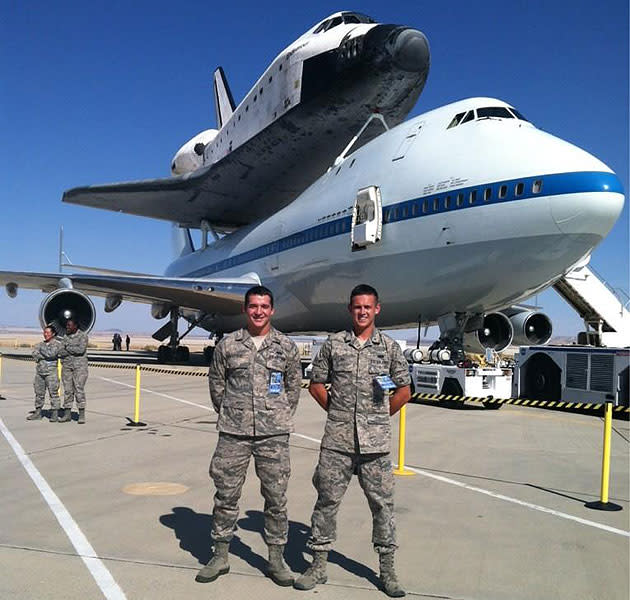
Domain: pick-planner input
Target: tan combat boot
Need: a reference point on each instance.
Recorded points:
(54, 414)
(391, 586)
(315, 574)
(67, 415)
(81, 416)
(277, 569)
(218, 564)
(35, 415)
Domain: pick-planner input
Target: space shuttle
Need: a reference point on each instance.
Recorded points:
(297, 117)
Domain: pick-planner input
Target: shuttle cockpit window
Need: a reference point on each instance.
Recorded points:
(470, 115)
(356, 18)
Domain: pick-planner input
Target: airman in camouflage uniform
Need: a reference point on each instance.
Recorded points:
(74, 371)
(46, 354)
(255, 379)
(357, 435)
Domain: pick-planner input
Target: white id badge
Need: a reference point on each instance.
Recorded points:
(385, 382)
(275, 382)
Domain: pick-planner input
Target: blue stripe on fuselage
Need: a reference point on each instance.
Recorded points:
(432, 204)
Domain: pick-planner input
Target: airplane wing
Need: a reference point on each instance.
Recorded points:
(223, 296)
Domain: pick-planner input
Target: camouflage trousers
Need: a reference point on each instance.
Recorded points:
(49, 382)
(74, 378)
(228, 468)
(332, 476)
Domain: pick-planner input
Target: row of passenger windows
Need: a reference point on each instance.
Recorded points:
(488, 112)
(304, 237)
(412, 209)
(451, 201)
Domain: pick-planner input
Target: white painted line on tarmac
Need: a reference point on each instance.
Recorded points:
(158, 394)
(103, 578)
(543, 509)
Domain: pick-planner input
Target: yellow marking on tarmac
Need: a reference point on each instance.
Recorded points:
(155, 488)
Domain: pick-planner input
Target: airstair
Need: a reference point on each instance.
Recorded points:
(604, 312)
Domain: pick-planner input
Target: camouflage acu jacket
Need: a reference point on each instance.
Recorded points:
(46, 355)
(75, 346)
(358, 409)
(255, 392)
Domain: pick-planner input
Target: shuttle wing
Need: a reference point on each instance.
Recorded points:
(223, 296)
(241, 188)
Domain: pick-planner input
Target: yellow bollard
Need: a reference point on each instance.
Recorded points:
(136, 418)
(1, 396)
(602, 503)
(401, 444)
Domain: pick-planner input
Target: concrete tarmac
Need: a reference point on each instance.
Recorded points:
(494, 511)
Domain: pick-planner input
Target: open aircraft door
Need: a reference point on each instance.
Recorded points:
(367, 218)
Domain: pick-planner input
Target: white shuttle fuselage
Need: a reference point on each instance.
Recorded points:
(480, 210)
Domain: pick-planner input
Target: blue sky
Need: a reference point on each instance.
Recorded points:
(104, 92)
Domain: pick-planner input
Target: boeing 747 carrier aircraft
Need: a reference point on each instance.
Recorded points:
(455, 215)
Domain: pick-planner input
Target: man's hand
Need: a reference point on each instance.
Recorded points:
(398, 399)
(320, 393)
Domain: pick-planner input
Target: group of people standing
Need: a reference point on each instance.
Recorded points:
(117, 342)
(72, 350)
(360, 378)
(255, 380)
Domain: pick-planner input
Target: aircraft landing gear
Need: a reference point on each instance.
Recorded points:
(173, 351)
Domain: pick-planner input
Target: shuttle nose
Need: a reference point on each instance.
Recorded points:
(405, 47)
(410, 50)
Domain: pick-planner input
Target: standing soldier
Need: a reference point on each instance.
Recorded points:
(74, 371)
(46, 354)
(361, 365)
(254, 379)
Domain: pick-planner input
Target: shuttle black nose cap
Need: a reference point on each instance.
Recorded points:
(410, 50)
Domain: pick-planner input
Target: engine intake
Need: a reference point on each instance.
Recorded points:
(496, 333)
(63, 304)
(531, 328)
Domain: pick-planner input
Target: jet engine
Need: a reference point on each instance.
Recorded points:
(64, 304)
(531, 328)
(189, 157)
(496, 333)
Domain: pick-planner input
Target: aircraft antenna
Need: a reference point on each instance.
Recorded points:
(419, 331)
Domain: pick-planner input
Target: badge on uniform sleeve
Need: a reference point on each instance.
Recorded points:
(275, 382)
(385, 382)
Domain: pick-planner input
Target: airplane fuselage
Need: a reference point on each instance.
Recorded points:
(476, 216)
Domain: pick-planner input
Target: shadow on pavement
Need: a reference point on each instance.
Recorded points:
(192, 529)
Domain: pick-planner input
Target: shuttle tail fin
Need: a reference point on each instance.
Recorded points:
(223, 100)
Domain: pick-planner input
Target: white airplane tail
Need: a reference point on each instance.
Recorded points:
(223, 100)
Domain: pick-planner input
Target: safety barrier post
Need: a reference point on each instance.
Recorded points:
(136, 418)
(1, 396)
(602, 503)
(401, 444)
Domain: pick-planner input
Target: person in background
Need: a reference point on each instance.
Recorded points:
(46, 354)
(74, 372)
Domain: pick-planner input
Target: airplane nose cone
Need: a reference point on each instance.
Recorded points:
(589, 212)
(410, 50)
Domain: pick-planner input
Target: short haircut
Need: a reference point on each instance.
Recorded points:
(51, 329)
(363, 289)
(258, 290)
